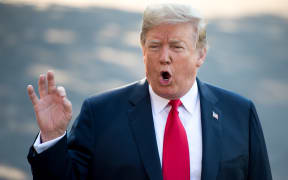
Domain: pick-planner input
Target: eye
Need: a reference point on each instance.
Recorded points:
(177, 47)
(153, 47)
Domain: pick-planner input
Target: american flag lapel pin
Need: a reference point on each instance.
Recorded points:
(215, 115)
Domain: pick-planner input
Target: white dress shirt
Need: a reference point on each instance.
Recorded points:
(190, 116)
(40, 147)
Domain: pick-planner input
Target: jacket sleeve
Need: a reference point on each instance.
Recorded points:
(68, 158)
(259, 167)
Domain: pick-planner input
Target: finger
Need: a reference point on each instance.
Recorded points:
(51, 82)
(61, 91)
(67, 105)
(32, 95)
(42, 86)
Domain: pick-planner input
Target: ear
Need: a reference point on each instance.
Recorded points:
(143, 51)
(201, 56)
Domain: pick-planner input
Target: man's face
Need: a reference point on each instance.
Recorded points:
(171, 59)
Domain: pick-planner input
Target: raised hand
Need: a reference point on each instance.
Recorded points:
(53, 110)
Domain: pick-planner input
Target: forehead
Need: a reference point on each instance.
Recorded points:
(171, 32)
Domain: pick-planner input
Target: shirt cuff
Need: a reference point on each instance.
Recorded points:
(40, 147)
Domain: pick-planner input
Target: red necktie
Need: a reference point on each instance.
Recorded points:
(175, 162)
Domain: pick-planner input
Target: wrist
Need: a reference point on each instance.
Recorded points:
(48, 136)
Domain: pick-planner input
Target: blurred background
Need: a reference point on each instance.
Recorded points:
(94, 45)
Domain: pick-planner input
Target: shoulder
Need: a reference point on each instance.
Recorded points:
(113, 104)
(117, 94)
(224, 96)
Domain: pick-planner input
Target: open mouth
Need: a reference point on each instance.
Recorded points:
(165, 75)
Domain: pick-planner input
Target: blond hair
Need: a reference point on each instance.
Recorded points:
(174, 14)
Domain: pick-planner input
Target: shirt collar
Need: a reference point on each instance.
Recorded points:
(189, 100)
(158, 103)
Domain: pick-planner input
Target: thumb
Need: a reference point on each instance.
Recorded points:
(61, 91)
(67, 105)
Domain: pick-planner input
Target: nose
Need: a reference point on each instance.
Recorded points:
(165, 57)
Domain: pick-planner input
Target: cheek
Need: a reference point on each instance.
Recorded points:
(187, 68)
(150, 61)
(148, 65)
(147, 61)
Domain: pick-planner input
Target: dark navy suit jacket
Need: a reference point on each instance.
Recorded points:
(114, 138)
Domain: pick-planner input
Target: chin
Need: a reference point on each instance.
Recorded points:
(168, 94)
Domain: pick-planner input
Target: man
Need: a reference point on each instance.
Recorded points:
(168, 126)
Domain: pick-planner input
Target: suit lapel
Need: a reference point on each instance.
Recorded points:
(211, 133)
(142, 126)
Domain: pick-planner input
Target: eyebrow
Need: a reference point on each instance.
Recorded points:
(170, 41)
(174, 41)
(153, 41)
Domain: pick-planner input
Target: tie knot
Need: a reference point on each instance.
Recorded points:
(175, 103)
